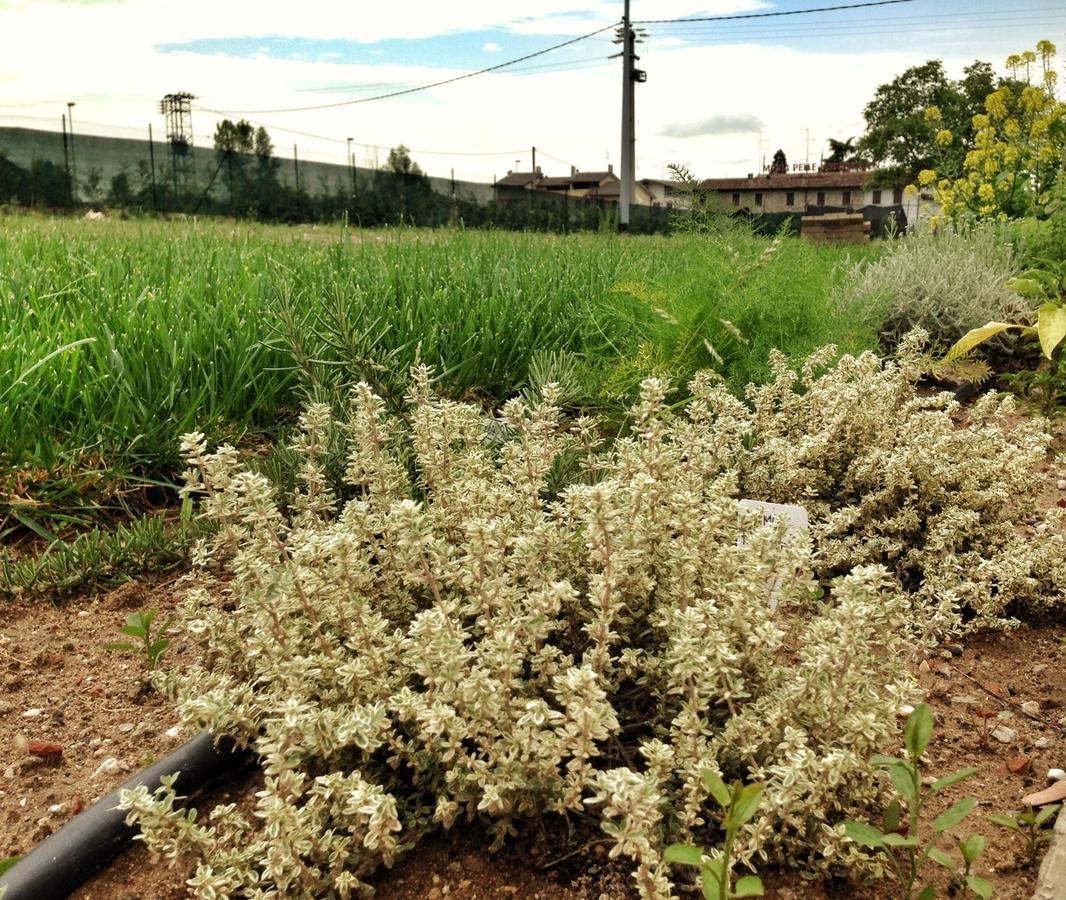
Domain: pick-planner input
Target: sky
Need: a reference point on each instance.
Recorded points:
(720, 96)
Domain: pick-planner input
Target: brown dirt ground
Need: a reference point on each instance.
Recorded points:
(88, 701)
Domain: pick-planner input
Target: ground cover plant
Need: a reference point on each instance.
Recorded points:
(472, 636)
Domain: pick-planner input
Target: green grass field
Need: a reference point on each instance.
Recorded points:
(117, 337)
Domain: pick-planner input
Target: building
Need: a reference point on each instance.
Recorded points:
(590, 185)
(803, 193)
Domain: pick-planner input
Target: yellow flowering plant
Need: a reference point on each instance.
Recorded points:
(1019, 146)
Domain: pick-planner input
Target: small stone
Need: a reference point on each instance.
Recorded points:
(1018, 764)
(126, 727)
(109, 766)
(83, 613)
(436, 878)
(1056, 775)
(9, 772)
(954, 649)
(45, 750)
(1005, 735)
(173, 734)
(1038, 668)
(1041, 743)
(946, 654)
(56, 808)
(34, 713)
(923, 666)
(928, 780)
(1031, 707)
(1062, 484)
(434, 893)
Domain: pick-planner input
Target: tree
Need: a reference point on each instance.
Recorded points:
(840, 150)
(899, 136)
(401, 163)
(235, 137)
(780, 164)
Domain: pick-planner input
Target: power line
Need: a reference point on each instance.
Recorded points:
(424, 87)
(770, 15)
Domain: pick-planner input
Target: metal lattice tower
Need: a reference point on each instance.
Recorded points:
(177, 109)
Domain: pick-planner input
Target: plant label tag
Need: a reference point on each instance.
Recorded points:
(795, 519)
(772, 513)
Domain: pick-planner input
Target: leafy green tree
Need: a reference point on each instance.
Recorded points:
(840, 150)
(401, 163)
(902, 139)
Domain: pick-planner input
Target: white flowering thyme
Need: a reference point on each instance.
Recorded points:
(466, 639)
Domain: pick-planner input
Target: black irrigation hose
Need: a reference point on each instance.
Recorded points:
(66, 859)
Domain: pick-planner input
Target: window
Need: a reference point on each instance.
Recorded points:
(758, 199)
(897, 196)
(736, 199)
(790, 199)
(821, 198)
(877, 198)
(847, 198)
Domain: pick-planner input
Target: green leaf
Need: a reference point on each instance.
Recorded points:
(893, 816)
(977, 336)
(717, 788)
(748, 886)
(953, 778)
(133, 631)
(865, 834)
(918, 730)
(158, 647)
(1046, 813)
(121, 645)
(6, 864)
(683, 854)
(895, 839)
(747, 804)
(941, 858)
(972, 847)
(880, 759)
(951, 817)
(1005, 821)
(712, 890)
(928, 893)
(1027, 287)
(1051, 327)
(980, 886)
(902, 775)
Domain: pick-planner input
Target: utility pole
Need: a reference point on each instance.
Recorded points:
(630, 76)
(73, 162)
(534, 164)
(351, 166)
(295, 168)
(66, 162)
(151, 160)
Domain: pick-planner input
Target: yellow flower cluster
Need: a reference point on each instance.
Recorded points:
(1019, 145)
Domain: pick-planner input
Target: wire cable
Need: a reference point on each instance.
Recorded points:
(423, 87)
(770, 15)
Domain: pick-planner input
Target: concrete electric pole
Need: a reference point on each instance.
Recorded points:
(630, 76)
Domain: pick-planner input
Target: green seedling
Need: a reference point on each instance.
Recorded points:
(898, 841)
(152, 645)
(1030, 824)
(740, 803)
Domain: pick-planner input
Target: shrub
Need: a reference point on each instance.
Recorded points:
(477, 634)
(460, 641)
(944, 282)
(911, 482)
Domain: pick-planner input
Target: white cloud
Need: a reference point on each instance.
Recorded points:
(718, 124)
(491, 47)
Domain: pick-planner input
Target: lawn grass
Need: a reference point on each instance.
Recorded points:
(117, 337)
